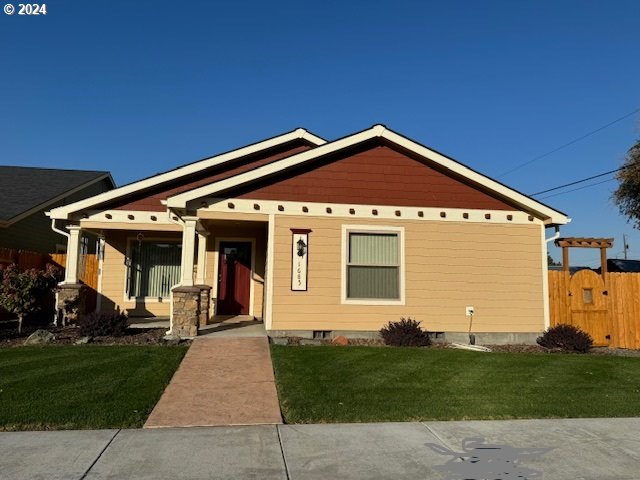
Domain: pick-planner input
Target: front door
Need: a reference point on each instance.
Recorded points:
(234, 278)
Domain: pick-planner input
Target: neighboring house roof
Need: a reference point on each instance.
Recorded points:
(322, 150)
(187, 170)
(524, 202)
(620, 265)
(26, 190)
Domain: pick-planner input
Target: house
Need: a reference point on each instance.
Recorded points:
(323, 237)
(28, 192)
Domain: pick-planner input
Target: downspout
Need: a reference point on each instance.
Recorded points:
(65, 234)
(545, 275)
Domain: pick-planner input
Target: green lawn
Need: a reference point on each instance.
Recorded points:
(63, 387)
(373, 384)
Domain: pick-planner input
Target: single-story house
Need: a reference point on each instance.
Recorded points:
(323, 237)
(28, 192)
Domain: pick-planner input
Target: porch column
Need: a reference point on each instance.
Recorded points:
(202, 258)
(188, 250)
(70, 295)
(73, 253)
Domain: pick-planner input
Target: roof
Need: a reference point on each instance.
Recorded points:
(322, 148)
(185, 170)
(26, 190)
(619, 265)
(429, 156)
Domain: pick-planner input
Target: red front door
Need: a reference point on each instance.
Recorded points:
(234, 278)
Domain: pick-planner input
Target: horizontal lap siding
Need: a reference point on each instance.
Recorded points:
(378, 175)
(497, 268)
(114, 271)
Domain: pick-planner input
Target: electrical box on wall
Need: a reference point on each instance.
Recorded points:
(469, 310)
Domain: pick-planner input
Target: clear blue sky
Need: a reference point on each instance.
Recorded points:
(140, 87)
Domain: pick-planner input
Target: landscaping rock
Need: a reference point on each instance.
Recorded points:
(311, 341)
(83, 341)
(171, 340)
(341, 341)
(280, 341)
(40, 337)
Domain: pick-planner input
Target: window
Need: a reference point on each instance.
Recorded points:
(155, 268)
(373, 265)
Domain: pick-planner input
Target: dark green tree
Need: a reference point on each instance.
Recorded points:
(627, 196)
(551, 262)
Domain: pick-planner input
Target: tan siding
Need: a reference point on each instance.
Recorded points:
(114, 271)
(494, 267)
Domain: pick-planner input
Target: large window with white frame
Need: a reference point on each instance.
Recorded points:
(154, 268)
(373, 265)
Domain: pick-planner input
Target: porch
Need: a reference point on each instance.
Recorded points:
(193, 275)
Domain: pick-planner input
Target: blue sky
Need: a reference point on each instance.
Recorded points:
(140, 87)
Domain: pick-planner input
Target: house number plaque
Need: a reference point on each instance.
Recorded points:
(299, 259)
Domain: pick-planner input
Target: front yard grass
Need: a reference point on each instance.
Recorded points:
(78, 387)
(374, 384)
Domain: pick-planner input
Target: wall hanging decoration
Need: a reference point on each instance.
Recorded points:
(299, 259)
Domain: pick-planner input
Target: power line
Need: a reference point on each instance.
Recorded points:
(593, 132)
(579, 188)
(580, 181)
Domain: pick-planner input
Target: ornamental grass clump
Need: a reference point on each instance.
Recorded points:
(23, 293)
(405, 333)
(566, 337)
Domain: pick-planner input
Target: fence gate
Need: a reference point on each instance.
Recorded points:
(589, 306)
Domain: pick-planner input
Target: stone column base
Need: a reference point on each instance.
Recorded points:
(185, 314)
(70, 303)
(205, 301)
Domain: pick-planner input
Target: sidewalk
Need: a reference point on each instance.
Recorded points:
(588, 449)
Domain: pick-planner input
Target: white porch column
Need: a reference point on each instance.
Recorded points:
(202, 258)
(73, 253)
(188, 250)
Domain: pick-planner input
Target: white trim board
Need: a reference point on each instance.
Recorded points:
(549, 215)
(300, 133)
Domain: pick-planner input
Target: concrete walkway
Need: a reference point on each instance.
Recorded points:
(587, 449)
(221, 381)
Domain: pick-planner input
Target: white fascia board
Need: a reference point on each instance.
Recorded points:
(64, 211)
(528, 204)
(181, 200)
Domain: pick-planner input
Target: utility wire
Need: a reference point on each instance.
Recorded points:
(579, 181)
(593, 132)
(579, 188)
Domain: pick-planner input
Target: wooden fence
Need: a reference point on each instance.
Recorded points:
(607, 308)
(87, 269)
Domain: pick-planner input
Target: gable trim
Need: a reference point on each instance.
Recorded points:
(300, 133)
(524, 202)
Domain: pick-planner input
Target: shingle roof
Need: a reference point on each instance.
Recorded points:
(25, 188)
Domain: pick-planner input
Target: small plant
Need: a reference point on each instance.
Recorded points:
(103, 324)
(405, 333)
(566, 337)
(22, 292)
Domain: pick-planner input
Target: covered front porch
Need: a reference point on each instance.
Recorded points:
(194, 275)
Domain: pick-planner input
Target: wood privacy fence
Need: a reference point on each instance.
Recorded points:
(607, 308)
(87, 269)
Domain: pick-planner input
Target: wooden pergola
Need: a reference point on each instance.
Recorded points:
(584, 242)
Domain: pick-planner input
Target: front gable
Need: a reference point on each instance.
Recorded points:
(372, 174)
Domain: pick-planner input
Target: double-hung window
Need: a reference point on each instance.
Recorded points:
(154, 269)
(373, 271)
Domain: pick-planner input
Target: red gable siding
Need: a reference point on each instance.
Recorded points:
(378, 175)
(149, 200)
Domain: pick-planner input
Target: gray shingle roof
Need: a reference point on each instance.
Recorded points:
(24, 188)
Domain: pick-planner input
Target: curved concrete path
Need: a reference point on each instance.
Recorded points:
(221, 381)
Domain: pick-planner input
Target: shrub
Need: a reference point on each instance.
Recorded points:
(103, 324)
(22, 292)
(405, 333)
(566, 337)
